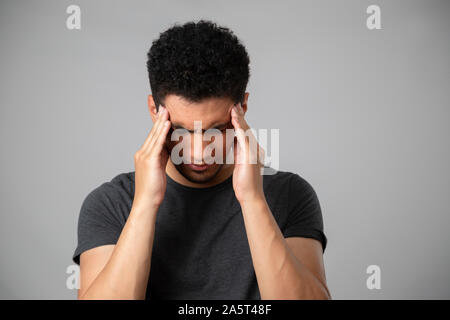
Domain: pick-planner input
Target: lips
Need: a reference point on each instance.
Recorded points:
(196, 167)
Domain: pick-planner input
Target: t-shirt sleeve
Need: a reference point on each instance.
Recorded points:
(98, 222)
(304, 212)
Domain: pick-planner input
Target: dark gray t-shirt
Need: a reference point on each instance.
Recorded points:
(200, 249)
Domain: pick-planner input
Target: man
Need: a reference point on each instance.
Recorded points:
(198, 230)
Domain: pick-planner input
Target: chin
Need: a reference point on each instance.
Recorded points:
(199, 176)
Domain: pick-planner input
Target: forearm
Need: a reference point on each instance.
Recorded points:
(125, 275)
(279, 273)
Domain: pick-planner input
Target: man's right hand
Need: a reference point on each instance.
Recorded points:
(131, 255)
(150, 164)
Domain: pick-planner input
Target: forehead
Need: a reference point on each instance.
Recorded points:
(210, 111)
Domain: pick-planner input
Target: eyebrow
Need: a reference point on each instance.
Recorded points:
(217, 126)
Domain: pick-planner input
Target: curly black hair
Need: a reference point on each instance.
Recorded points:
(198, 60)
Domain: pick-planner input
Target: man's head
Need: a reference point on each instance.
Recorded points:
(198, 71)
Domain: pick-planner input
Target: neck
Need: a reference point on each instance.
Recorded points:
(225, 172)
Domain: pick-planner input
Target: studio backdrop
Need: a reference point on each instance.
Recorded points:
(359, 90)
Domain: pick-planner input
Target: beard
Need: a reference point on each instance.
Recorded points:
(199, 176)
(196, 176)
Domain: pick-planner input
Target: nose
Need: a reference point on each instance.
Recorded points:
(203, 150)
(197, 147)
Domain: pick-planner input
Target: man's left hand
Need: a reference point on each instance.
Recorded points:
(249, 160)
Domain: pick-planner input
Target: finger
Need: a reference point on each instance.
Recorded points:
(162, 116)
(239, 131)
(242, 143)
(251, 147)
(240, 135)
(235, 118)
(241, 116)
(239, 154)
(261, 155)
(160, 140)
(239, 121)
(236, 152)
(152, 131)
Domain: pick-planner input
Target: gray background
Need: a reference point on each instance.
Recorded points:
(363, 116)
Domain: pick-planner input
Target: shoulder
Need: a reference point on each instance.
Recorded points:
(287, 180)
(110, 196)
(122, 182)
(302, 216)
(104, 212)
(287, 191)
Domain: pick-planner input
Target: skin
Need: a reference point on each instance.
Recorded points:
(286, 268)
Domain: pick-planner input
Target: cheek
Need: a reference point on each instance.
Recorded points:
(171, 144)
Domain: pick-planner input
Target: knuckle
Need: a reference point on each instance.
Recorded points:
(140, 155)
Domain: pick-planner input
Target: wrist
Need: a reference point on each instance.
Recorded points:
(257, 199)
(146, 207)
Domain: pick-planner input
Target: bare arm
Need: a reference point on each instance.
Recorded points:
(121, 271)
(125, 274)
(285, 268)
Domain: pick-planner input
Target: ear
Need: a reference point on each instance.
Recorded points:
(152, 108)
(244, 103)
